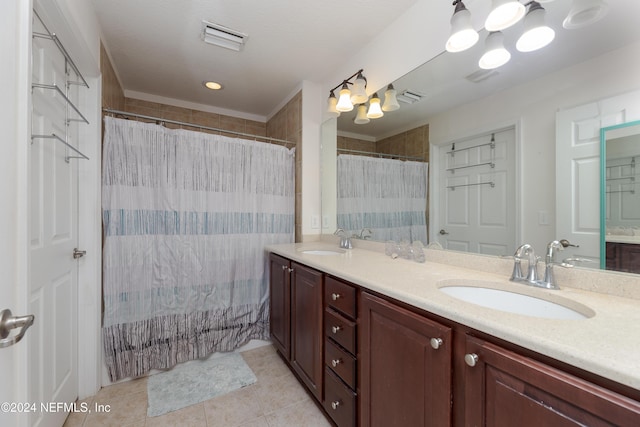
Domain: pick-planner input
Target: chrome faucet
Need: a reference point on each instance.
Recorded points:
(345, 241)
(364, 236)
(532, 271)
(549, 280)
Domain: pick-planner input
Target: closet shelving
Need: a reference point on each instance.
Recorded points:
(70, 66)
(491, 164)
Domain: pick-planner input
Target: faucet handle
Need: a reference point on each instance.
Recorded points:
(565, 244)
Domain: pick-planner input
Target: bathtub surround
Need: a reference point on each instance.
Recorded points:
(186, 217)
(196, 381)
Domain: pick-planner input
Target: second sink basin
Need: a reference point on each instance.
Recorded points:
(486, 294)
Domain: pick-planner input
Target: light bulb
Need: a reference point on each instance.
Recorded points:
(375, 111)
(504, 13)
(358, 94)
(390, 100)
(331, 105)
(495, 54)
(344, 103)
(361, 117)
(536, 33)
(463, 36)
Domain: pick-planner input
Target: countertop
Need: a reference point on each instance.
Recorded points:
(606, 344)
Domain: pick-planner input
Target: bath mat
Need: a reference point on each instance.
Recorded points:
(196, 381)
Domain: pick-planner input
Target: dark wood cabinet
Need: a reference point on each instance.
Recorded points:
(341, 336)
(504, 388)
(623, 257)
(372, 361)
(306, 326)
(280, 304)
(405, 377)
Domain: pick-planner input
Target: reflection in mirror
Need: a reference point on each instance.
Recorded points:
(456, 102)
(620, 198)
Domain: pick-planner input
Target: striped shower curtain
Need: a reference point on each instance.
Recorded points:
(186, 216)
(387, 196)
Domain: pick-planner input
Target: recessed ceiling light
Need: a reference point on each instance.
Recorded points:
(213, 85)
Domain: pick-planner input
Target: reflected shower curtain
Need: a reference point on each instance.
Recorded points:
(186, 217)
(387, 196)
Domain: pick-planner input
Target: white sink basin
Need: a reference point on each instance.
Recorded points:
(486, 295)
(322, 252)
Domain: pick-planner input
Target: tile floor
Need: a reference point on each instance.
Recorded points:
(275, 400)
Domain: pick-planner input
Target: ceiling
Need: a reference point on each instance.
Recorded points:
(442, 80)
(156, 47)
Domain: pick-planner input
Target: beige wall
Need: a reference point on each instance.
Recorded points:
(414, 143)
(286, 124)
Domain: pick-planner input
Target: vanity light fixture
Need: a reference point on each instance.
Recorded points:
(585, 12)
(495, 54)
(536, 33)
(504, 14)
(358, 96)
(390, 100)
(361, 117)
(463, 35)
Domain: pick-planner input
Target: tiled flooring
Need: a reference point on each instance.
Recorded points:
(275, 400)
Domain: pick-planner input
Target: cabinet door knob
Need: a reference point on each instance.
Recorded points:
(335, 297)
(284, 267)
(335, 362)
(471, 359)
(336, 329)
(291, 270)
(436, 343)
(335, 404)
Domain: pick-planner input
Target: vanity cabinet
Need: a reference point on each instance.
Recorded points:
(504, 388)
(372, 361)
(405, 367)
(296, 319)
(340, 352)
(623, 257)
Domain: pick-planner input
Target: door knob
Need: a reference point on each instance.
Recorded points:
(78, 253)
(443, 232)
(9, 322)
(436, 343)
(471, 359)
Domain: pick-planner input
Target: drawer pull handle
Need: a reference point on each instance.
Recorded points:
(471, 359)
(335, 362)
(436, 343)
(336, 329)
(335, 404)
(335, 297)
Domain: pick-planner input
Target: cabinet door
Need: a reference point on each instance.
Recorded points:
(279, 306)
(405, 381)
(306, 326)
(504, 388)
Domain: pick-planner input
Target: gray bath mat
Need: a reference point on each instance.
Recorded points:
(196, 381)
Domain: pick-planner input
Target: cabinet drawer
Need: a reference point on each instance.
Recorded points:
(340, 362)
(340, 329)
(339, 400)
(341, 296)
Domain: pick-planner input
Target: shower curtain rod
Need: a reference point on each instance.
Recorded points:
(158, 120)
(389, 156)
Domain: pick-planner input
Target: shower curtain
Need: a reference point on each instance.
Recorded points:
(186, 216)
(387, 196)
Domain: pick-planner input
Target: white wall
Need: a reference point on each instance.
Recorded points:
(535, 104)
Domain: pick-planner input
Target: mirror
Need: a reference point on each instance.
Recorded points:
(620, 197)
(579, 66)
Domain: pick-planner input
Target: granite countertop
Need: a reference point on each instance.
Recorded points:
(606, 344)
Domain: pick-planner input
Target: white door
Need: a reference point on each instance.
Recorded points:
(477, 194)
(578, 171)
(53, 232)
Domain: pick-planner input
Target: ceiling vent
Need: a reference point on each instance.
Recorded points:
(480, 75)
(409, 97)
(222, 36)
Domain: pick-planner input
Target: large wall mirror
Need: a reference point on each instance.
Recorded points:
(620, 197)
(450, 100)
